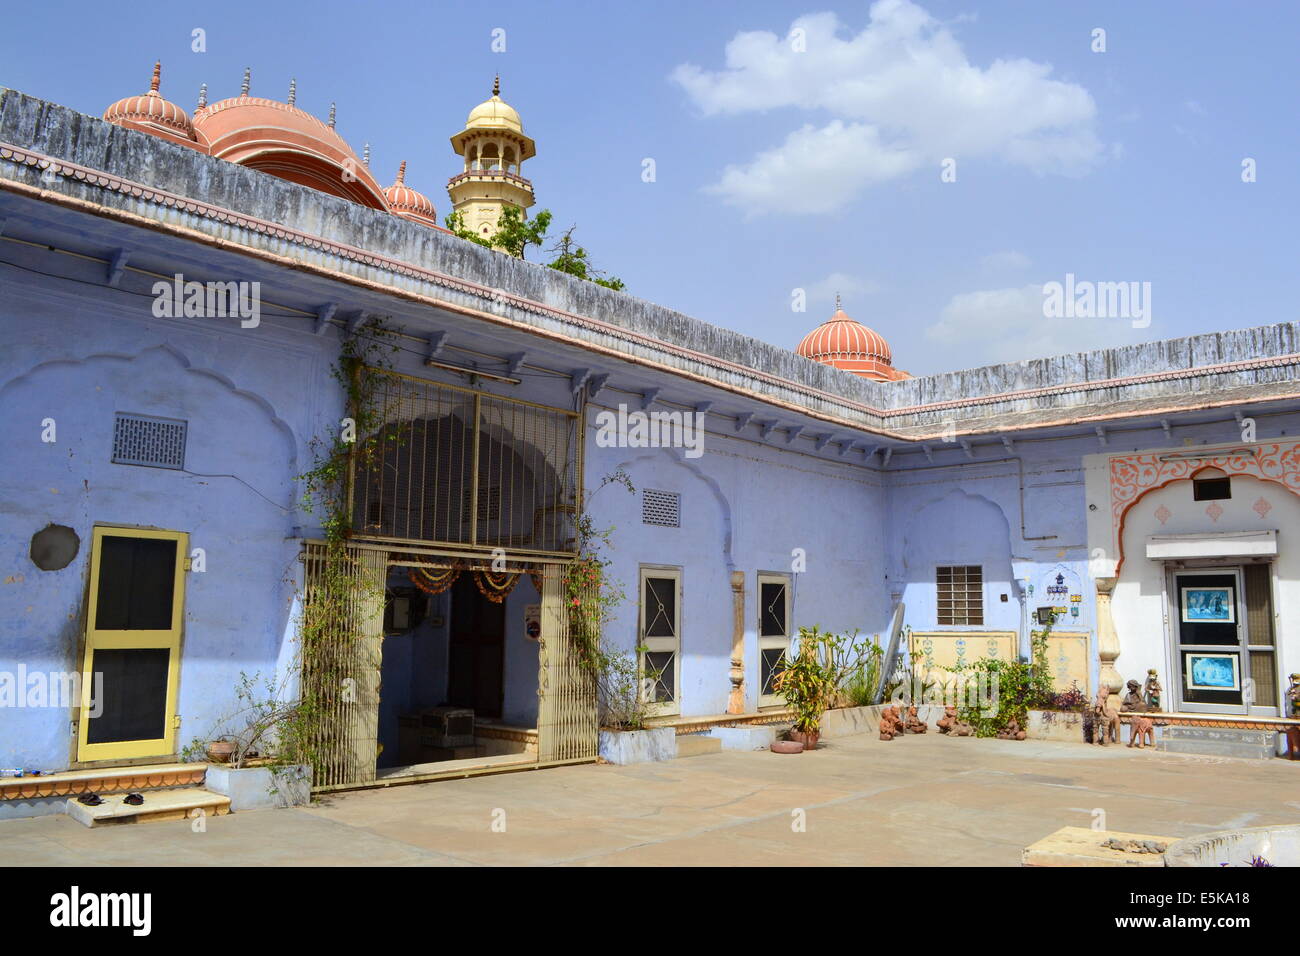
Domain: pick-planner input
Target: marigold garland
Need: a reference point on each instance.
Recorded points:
(495, 585)
(434, 580)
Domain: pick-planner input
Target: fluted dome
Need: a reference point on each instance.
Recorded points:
(280, 139)
(150, 113)
(845, 343)
(409, 204)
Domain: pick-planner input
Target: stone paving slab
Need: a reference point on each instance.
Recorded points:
(922, 800)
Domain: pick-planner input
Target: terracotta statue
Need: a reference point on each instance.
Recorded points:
(1151, 690)
(1011, 731)
(891, 723)
(949, 718)
(915, 725)
(1105, 718)
(1133, 702)
(1141, 731)
(961, 729)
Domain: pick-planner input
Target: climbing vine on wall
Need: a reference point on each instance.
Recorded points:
(340, 590)
(591, 596)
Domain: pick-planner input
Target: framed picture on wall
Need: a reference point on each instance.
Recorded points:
(1208, 606)
(1208, 671)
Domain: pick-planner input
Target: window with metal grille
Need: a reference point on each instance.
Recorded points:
(961, 594)
(149, 441)
(772, 621)
(437, 443)
(661, 508)
(771, 663)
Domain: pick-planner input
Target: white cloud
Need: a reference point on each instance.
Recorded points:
(901, 93)
(814, 170)
(1008, 325)
(1006, 260)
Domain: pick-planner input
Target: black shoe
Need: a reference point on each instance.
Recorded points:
(90, 799)
(134, 799)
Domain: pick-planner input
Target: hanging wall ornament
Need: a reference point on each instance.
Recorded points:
(495, 585)
(434, 580)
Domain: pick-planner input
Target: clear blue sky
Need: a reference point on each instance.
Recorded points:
(816, 169)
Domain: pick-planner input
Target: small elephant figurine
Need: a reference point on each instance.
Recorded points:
(1141, 732)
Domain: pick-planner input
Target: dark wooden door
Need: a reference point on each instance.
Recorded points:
(476, 655)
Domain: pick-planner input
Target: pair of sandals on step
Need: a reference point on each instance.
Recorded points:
(94, 799)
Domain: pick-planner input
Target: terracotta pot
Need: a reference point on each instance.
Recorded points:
(809, 740)
(786, 747)
(220, 751)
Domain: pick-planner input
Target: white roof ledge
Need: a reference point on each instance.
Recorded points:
(1212, 544)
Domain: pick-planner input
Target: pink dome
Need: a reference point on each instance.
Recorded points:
(150, 113)
(845, 343)
(405, 202)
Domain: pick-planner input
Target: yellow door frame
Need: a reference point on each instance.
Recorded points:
(114, 640)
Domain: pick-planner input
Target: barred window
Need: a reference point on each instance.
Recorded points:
(961, 594)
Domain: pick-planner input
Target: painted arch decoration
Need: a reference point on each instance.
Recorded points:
(1132, 476)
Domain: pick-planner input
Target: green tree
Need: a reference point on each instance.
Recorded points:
(573, 259)
(514, 234)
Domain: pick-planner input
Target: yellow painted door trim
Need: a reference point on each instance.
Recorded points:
(169, 639)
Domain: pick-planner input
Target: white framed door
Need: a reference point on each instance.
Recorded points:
(660, 646)
(134, 621)
(774, 616)
(1212, 645)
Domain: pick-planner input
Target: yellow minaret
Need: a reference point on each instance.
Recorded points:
(494, 147)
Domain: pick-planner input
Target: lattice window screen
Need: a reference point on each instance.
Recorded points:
(961, 594)
(144, 440)
(661, 508)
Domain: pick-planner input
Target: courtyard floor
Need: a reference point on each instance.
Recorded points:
(926, 800)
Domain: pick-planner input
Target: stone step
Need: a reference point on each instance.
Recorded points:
(692, 745)
(1219, 734)
(102, 780)
(1218, 748)
(158, 805)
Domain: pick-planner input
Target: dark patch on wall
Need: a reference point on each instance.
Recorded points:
(54, 547)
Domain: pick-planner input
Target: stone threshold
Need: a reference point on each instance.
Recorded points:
(696, 725)
(103, 780)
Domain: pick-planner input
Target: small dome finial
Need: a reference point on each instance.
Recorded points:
(365, 156)
(837, 302)
(248, 77)
(203, 96)
(293, 91)
(496, 86)
(401, 174)
(157, 77)
(332, 108)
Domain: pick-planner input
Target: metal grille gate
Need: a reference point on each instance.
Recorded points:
(455, 474)
(341, 630)
(567, 727)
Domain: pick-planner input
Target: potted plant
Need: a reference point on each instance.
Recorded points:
(221, 750)
(808, 685)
